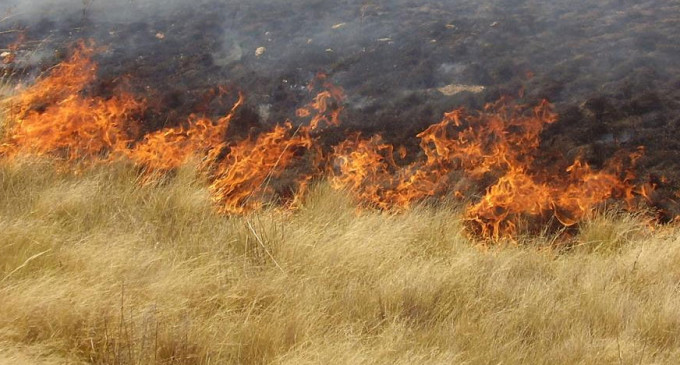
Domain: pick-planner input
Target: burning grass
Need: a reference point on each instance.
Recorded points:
(98, 268)
(495, 149)
(187, 245)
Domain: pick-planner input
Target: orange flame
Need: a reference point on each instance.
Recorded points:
(325, 108)
(494, 149)
(243, 179)
(518, 197)
(499, 142)
(53, 117)
(460, 142)
(170, 148)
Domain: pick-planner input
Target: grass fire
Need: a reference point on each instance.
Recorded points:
(54, 118)
(204, 193)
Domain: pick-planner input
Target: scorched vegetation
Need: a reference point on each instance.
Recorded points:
(187, 245)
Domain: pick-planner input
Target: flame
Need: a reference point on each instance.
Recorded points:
(492, 152)
(170, 148)
(364, 167)
(243, 179)
(246, 178)
(54, 117)
(472, 144)
(326, 107)
(501, 137)
(499, 143)
(518, 197)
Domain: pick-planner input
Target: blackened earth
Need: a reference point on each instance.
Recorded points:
(610, 67)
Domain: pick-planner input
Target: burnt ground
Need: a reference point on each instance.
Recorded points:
(610, 67)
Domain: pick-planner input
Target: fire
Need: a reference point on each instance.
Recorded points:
(365, 167)
(320, 108)
(499, 143)
(518, 198)
(245, 177)
(492, 152)
(469, 144)
(170, 148)
(54, 117)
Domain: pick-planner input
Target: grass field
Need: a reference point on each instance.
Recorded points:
(97, 268)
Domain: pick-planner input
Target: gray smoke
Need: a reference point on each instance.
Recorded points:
(101, 10)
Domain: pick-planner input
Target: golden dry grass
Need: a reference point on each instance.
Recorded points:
(96, 268)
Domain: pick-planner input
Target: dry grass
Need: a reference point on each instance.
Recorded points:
(97, 269)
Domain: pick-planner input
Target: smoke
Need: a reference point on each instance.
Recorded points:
(99, 10)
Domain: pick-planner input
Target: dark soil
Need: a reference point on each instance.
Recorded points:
(610, 67)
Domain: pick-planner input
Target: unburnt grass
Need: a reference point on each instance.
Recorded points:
(97, 268)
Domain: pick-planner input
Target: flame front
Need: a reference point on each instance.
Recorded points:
(498, 144)
(492, 153)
